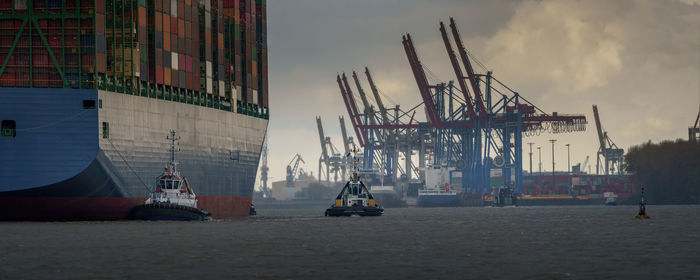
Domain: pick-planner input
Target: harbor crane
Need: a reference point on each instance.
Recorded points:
(330, 156)
(694, 132)
(468, 123)
(263, 171)
(610, 153)
(292, 169)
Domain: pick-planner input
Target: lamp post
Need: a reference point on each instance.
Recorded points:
(539, 150)
(530, 157)
(553, 177)
(568, 158)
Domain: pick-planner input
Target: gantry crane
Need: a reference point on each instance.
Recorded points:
(264, 169)
(332, 160)
(694, 132)
(464, 132)
(292, 169)
(612, 156)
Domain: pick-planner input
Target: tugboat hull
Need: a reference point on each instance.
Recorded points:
(155, 212)
(354, 210)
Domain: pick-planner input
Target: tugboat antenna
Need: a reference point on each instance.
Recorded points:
(172, 138)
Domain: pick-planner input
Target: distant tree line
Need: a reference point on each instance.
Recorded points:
(669, 171)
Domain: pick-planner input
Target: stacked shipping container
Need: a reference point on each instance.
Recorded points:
(203, 52)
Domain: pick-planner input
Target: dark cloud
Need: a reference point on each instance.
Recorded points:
(638, 60)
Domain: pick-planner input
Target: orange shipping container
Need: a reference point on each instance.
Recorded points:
(166, 41)
(166, 23)
(143, 21)
(159, 21)
(181, 28)
(221, 41)
(159, 74)
(166, 75)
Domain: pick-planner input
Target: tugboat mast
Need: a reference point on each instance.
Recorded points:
(172, 138)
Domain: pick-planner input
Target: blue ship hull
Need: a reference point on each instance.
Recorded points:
(65, 163)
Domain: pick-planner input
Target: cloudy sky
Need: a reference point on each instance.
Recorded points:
(639, 61)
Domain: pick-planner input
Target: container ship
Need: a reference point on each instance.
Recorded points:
(570, 189)
(89, 90)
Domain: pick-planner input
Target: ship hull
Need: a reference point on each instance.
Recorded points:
(71, 162)
(437, 200)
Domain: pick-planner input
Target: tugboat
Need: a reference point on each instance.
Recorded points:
(173, 198)
(610, 198)
(354, 198)
(642, 208)
(505, 196)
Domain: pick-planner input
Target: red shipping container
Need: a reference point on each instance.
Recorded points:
(174, 78)
(159, 75)
(100, 18)
(166, 7)
(182, 62)
(173, 25)
(159, 21)
(99, 6)
(101, 63)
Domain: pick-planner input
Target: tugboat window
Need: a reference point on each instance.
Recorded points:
(89, 104)
(170, 185)
(9, 128)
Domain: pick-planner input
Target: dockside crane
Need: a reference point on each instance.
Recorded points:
(347, 143)
(292, 169)
(330, 156)
(612, 156)
(694, 132)
(351, 107)
(461, 134)
(324, 158)
(264, 169)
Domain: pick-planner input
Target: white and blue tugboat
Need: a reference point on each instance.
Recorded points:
(355, 198)
(173, 198)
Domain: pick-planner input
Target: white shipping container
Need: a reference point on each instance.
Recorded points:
(174, 61)
(207, 19)
(255, 97)
(209, 85)
(239, 93)
(20, 4)
(209, 69)
(221, 88)
(173, 8)
(207, 5)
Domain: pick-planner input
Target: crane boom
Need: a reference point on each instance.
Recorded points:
(360, 91)
(469, 68)
(351, 113)
(346, 141)
(601, 137)
(375, 92)
(321, 136)
(353, 104)
(421, 80)
(458, 71)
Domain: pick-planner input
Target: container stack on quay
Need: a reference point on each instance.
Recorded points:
(210, 53)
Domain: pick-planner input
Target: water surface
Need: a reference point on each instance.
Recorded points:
(568, 242)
